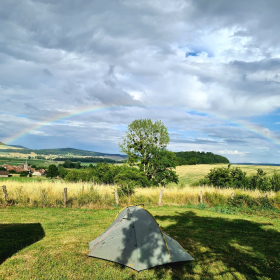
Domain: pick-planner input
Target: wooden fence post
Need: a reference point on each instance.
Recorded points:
(200, 196)
(5, 195)
(232, 195)
(65, 197)
(116, 197)
(160, 197)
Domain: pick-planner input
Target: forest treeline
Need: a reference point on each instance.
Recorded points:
(193, 157)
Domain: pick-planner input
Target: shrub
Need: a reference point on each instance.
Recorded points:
(219, 177)
(238, 178)
(242, 200)
(275, 182)
(76, 176)
(23, 174)
(128, 179)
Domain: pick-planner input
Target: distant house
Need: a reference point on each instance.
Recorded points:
(39, 172)
(4, 173)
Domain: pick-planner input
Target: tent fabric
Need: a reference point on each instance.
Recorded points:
(135, 239)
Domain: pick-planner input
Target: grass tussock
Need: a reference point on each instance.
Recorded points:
(50, 194)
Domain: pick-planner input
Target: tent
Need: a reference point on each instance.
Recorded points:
(135, 239)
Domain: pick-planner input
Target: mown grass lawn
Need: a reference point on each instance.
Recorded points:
(51, 243)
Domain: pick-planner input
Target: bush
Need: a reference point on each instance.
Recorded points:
(242, 200)
(52, 171)
(275, 182)
(236, 178)
(77, 176)
(219, 177)
(23, 174)
(128, 179)
(62, 172)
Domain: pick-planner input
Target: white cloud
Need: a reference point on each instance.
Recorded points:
(228, 152)
(38, 132)
(58, 57)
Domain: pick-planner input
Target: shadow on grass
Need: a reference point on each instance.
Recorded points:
(14, 237)
(222, 246)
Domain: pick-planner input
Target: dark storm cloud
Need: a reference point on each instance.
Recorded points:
(259, 19)
(195, 141)
(47, 72)
(257, 66)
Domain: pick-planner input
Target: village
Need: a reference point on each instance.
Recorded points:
(17, 169)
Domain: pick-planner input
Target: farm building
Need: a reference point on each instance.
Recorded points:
(36, 173)
(4, 173)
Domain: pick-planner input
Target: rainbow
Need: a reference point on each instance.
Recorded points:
(262, 132)
(57, 118)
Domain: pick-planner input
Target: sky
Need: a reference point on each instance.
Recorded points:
(77, 73)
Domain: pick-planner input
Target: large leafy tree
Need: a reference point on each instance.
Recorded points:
(142, 138)
(145, 144)
(52, 171)
(160, 167)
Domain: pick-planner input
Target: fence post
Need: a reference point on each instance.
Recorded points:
(65, 197)
(160, 197)
(200, 196)
(116, 197)
(232, 195)
(5, 195)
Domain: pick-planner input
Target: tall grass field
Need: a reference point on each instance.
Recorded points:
(39, 192)
(49, 193)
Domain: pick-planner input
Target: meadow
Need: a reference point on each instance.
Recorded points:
(20, 161)
(229, 238)
(189, 174)
(42, 192)
(52, 243)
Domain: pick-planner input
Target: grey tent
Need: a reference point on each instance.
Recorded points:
(135, 239)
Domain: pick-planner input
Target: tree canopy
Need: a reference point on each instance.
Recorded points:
(141, 138)
(145, 145)
(52, 171)
(201, 158)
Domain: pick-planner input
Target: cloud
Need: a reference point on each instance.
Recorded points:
(38, 132)
(47, 72)
(142, 59)
(228, 152)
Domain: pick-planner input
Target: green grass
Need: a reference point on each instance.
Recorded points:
(20, 161)
(24, 179)
(46, 243)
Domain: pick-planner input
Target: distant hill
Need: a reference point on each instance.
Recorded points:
(18, 146)
(202, 157)
(60, 152)
(76, 152)
(13, 147)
